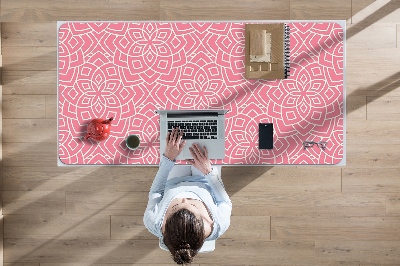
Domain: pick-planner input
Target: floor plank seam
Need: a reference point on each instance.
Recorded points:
(270, 227)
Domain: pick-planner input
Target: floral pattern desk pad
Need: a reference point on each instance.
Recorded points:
(128, 70)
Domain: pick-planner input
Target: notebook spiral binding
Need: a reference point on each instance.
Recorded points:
(287, 50)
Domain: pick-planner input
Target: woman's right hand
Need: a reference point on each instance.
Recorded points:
(200, 159)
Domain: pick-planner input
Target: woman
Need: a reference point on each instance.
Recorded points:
(186, 209)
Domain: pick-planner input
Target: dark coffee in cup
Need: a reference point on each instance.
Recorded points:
(132, 142)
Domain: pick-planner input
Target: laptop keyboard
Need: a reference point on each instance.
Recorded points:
(196, 129)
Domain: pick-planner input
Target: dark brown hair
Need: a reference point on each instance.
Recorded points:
(184, 235)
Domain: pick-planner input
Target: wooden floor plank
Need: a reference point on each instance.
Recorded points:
(24, 106)
(335, 228)
(249, 227)
(113, 264)
(224, 10)
(107, 203)
(30, 82)
(324, 9)
(85, 250)
(287, 180)
(260, 252)
(128, 227)
(358, 6)
(370, 12)
(309, 204)
(379, 79)
(29, 34)
(373, 131)
(33, 202)
(54, 226)
(39, 129)
(30, 154)
(381, 31)
(379, 180)
(372, 155)
(364, 252)
(79, 179)
(147, 251)
(43, 10)
(132, 178)
(52, 179)
(21, 264)
(384, 108)
(30, 58)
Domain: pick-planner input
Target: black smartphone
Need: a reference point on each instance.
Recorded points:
(265, 136)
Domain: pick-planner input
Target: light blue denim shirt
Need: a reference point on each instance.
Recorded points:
(209, 188)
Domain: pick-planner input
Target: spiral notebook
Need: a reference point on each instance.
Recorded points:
(267, 51)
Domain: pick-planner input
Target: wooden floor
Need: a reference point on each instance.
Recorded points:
(281, 215)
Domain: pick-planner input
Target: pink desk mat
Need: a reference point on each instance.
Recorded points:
(129, 70)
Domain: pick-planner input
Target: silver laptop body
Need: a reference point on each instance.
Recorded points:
(215, 144)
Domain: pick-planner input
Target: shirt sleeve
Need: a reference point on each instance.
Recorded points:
(156, 194)
(222, 199)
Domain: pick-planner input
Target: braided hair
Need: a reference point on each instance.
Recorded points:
(184, 235)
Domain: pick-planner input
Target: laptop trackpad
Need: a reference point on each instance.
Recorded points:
(210, 144)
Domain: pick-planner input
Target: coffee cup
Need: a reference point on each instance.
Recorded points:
(132, 142)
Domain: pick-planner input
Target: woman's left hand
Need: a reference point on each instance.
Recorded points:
(174, 144)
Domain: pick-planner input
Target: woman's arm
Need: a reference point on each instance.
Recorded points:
(173, 148)
(222, 199)
(156, 194)
(223, 202)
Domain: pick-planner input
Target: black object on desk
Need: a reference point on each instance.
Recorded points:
(265, 136)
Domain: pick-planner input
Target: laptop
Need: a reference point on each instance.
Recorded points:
(203, 127)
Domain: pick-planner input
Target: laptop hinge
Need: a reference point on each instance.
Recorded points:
(191, 114)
